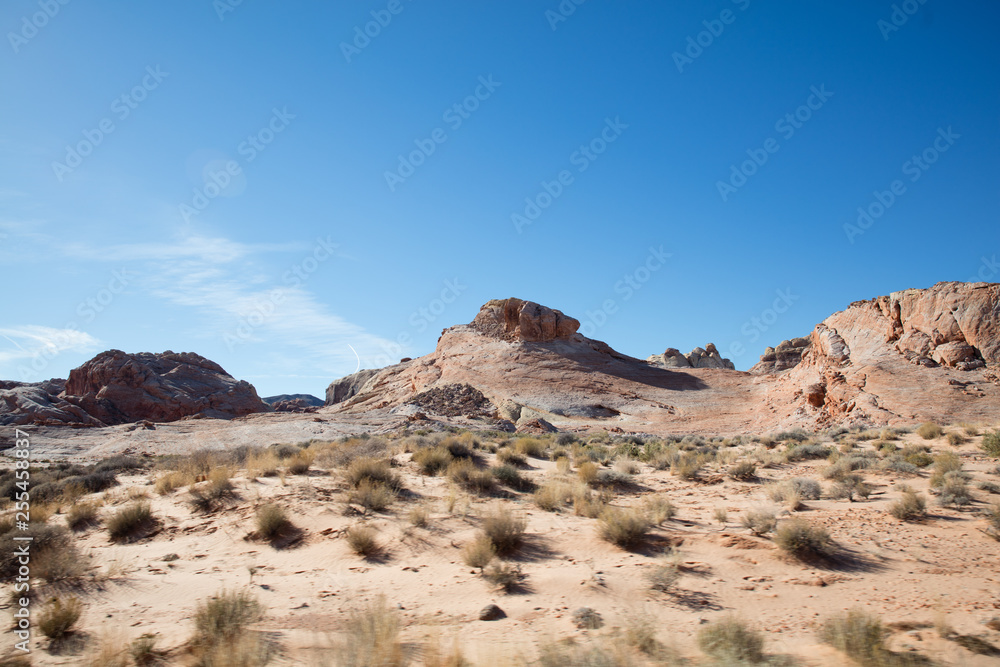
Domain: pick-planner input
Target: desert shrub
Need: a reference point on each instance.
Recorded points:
(663, 575)
(587, 472)
(363, 540)
(553, 496)
(57, 618)
(993, 520)
(803, 540)
(991, 443)
(850, 486)
(508, 456)
(43, 538)
(169, 482)
(896, 463)
(272, 521)
(686, 466)
(955, 491)
(744, 471)
(857, 634)
(760, 521)
(909, 507)
(432, 460)
(95, 482)
(627, 466)
(956, 439)
(373, 496)
(989, 487)
(625, 528)
(465, 473)
(374, 471)
(659, 509)
(720, 515)
(807, 451)
(531, 447)
(220, 484)
(143, 651)
(570, 654)
(930, 431)
(807, 489)
(505, 576)
(81, 515)
(479, 552)
(130, 521)
(299, 463)
(917, 455)
(226, 615)
(372, 638)
(55, 563)
(510, 477)
(263, 463)
(419, 516)
(119, 463)
(795, 435)
(504, 529)
(944, 463)
(731, 640)
(588, 504)
(565, 439)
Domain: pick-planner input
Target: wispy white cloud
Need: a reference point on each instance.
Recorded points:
(30, 341)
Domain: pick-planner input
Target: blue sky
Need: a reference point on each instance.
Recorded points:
(268, 186)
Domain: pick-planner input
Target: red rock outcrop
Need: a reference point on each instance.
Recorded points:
(708, 357)
(119, 388)
(515, 319)
(912, 356)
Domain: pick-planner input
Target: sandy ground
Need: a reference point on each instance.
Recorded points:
(914, 574)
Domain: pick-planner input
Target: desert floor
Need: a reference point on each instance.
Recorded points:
(934, 582)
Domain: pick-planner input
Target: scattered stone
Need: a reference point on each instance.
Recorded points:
(491, 612)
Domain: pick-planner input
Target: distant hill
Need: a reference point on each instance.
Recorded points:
(309, 399)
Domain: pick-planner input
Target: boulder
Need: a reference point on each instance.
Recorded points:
(118, 388)
(348, 386)
(708, 357)
(519, 320)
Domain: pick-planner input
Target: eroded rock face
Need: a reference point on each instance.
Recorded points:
(117, 388)
(708, 357)
(348, 386)
(515, 319)
(787, 354)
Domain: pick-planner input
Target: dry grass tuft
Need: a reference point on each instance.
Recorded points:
(58, 617)
(625, 528)
(930, 431)
(760, 521)
(504, 529)
(479, 552)
(372, 638)
(732, 641)
(272, 521)
(363, 541)
(799, 538)
(130, 522)
(909, 507)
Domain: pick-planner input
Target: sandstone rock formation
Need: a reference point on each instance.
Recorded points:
(118, 388)
(916, 355)
(515, 319)
(304, 399)
(787, 354)
(697, 358)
